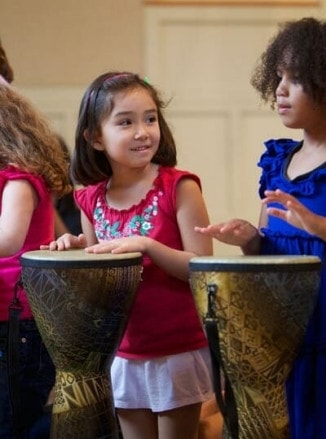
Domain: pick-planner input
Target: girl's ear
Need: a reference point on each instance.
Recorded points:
(96, 143)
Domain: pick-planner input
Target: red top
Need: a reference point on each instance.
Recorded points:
(164, 319)
(41, 231)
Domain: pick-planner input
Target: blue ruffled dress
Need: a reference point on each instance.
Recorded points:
(306, 386)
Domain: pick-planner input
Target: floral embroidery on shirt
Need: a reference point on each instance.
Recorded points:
(138, 224)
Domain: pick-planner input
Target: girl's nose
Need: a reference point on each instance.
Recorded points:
(281, 89)
(141, 132)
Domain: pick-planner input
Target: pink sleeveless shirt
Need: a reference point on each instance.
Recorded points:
(41, 231)
(164, 319)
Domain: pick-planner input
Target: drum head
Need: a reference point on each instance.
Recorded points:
(255, 263)
(78, 258)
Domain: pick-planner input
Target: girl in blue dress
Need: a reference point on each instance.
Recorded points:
(291, 76)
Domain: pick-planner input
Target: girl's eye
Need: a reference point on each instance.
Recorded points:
(151, 119)
(289, 76)
(125, 122)
(279, 76)
(296, 79)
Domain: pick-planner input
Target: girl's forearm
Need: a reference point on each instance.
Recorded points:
(253, 246)
(172, 261)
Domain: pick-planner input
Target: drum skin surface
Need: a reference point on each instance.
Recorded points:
(81, 303)
(260, 307)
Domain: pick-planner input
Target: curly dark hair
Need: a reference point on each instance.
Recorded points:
(90, 166)
(300, 47)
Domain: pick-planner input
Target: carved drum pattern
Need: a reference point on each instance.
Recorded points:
(259, 308)
(81, 304)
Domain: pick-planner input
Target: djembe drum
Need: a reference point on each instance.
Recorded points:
(255, 311)
(81, 302)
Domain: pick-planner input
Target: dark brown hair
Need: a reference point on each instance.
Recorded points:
(88, 165)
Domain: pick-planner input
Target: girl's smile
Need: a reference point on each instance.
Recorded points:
(130, 135)
(140, 148)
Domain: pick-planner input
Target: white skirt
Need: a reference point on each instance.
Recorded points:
(163, 383)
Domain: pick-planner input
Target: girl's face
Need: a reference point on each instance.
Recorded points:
(295, 107)
(130, 135)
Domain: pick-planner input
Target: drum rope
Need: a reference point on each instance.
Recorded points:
(227, 403)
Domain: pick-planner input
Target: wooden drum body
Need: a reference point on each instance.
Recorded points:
(81, 303)
(259, 308)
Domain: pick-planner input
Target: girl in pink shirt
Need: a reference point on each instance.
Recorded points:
(32, 169)
(135, 200)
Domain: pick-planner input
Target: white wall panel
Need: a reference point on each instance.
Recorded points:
(191, 132)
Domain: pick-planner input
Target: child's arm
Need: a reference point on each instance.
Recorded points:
(191, 210)
(68, 241)
(237, 232)
(19, 200)
(295, 213)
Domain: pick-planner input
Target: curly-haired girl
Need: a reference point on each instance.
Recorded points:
(291, 76)
(32, 170)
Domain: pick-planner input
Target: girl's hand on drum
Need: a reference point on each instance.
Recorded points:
(121, 245)
(66, 242)
(234, 232)
(295, 213)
